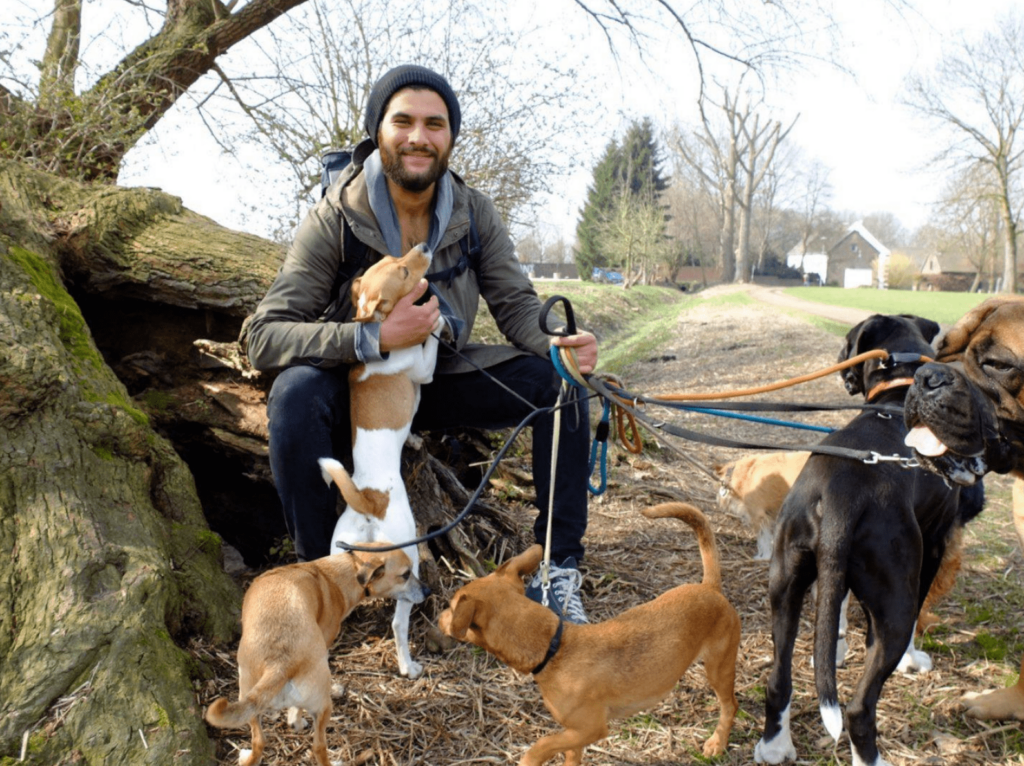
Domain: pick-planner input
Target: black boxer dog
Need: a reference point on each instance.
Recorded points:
(878, 531)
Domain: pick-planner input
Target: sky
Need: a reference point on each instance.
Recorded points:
(851, 123)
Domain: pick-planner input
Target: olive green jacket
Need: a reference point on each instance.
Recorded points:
(299, 321)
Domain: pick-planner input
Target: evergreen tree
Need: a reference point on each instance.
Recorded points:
(632, 168)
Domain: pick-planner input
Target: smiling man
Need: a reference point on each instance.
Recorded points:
(398, 193)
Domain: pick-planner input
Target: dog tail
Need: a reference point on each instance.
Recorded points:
(705, 537)
(368, 503)
(235, 715)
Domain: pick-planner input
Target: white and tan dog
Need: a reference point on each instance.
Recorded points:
(290, 617)
(384, 396)
(757, 484)
(589, 674)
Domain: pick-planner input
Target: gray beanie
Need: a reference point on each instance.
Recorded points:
(402, 77)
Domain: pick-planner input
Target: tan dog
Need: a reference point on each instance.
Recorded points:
(757, 485)
(987, 345)
(589, 674)
(290, 617)
(384, 397)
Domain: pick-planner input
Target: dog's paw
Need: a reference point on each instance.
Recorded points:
(778, 750)
(338, 691)
(914, 661)
(412, 670)
(998, 705)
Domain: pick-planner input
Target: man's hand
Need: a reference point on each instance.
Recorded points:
(586, 349)
(409, 325)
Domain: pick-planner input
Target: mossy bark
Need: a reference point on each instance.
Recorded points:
(109, 565)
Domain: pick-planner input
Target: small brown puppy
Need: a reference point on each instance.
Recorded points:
(758, 484)
(290, 617)
(589, 674)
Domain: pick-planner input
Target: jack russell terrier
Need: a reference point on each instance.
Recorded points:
(589, 674)
(290, 617)
(384, 396)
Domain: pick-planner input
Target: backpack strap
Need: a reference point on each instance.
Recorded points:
(470, 245)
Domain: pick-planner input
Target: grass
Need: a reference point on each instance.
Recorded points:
(944, 308)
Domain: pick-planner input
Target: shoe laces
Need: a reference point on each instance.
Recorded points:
(565, 586)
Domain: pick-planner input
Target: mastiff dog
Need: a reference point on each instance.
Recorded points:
(966, 417)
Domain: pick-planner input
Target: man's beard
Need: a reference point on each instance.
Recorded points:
(414, 182)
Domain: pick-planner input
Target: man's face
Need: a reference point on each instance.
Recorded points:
(415, 139)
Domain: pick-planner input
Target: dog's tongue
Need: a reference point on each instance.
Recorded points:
(923, 439)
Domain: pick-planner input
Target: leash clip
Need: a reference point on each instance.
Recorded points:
(904, 462)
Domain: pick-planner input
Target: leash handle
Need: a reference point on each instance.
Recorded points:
(570, 317)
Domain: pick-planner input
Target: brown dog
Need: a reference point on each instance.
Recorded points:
(968, 417)
(290, 617)
(757, 484)
(589, 674)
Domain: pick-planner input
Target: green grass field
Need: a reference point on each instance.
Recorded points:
(944, 308)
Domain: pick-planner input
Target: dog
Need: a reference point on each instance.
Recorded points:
(966, 417)
(757, 485)
(290, 617)
(384, 397)
(588, 674)
(876, 531)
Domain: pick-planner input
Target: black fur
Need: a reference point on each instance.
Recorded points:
(877, 530)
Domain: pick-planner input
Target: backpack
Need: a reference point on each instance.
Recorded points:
(332, 163)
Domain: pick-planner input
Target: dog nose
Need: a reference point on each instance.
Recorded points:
(934, 376)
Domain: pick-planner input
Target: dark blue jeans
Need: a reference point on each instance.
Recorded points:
(308, 411)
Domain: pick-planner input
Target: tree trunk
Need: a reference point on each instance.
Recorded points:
(112, 567)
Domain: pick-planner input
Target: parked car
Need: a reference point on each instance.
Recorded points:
(607, 277)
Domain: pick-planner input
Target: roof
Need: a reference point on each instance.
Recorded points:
(870, 238)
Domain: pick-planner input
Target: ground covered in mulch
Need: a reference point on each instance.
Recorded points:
(467, 708)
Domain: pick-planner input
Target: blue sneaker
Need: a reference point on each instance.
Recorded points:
(564, 592)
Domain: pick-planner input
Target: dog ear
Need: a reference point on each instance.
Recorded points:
(853, 376)
(463, 615)
(370, 571)
(525, 563)
(366, 310)
(929, 329)
(950, 347)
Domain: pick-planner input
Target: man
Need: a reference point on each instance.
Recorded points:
(397, 193)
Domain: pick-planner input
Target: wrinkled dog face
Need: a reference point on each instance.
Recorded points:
(967, 417)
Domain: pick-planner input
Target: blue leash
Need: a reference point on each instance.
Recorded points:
(600, 441)
(754, 419)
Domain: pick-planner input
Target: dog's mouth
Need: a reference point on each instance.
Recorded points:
(937, 457)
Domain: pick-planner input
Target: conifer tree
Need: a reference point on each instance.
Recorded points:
(631, 168)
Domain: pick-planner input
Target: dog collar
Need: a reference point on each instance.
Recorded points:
(885, 385)
(556, 642)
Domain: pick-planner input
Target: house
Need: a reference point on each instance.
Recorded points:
(848, 262)
(850, 259)
(950, 272)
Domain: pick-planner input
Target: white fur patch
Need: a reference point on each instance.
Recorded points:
(832, 717)
(780, 748)
(914, 660)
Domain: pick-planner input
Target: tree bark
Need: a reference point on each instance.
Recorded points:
(112, 567)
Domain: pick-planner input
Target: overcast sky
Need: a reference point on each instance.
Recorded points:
(852, 124)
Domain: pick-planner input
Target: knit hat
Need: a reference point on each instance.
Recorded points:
(402, 77)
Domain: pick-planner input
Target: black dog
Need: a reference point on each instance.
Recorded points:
(878, 531)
